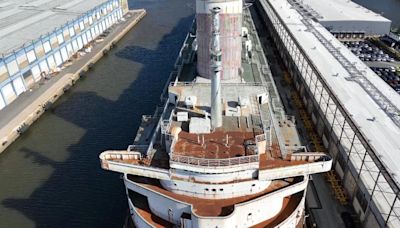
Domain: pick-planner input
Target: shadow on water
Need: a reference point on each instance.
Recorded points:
(78, 193)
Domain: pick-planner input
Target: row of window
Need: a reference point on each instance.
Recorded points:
(26, 67)
(352, 148)
(21, 59)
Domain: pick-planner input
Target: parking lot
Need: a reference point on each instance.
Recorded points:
(384, 65)
(390, 76)
(367, 51)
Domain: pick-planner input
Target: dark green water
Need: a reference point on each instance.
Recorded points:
(50, 177)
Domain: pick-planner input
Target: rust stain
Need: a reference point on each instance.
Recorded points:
(207, 207)
(216, 145)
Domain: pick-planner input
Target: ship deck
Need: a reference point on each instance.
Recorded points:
(209, 207)
(143, 209)
(290, 204)
(216, 145)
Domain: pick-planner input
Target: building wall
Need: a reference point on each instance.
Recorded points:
(361, 172)
(369, 28)
(124, 6)
(20, 70)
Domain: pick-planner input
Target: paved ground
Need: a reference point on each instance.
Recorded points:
(18, 111)
(382, 64)
(324, 209)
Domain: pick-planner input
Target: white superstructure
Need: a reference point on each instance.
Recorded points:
(250, 171)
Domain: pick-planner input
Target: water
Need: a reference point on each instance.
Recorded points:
(51, 176)
(388, 8)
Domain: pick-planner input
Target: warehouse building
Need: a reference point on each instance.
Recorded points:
(346, 19)
(39, 36)
(355, 112)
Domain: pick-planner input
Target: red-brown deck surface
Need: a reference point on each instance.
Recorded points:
(205, 207)
(271, 163)
(215, 144)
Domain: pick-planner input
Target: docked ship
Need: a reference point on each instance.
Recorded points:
(220, 150)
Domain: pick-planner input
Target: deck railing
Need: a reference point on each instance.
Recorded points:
(214, 162)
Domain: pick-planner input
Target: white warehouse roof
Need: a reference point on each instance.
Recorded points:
(345, 16)
(383, 134)
(22, 21)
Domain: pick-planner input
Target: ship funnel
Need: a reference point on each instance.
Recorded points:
(216, 67)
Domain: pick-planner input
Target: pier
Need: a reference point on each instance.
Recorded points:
(27, 108)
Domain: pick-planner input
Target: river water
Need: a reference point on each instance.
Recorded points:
(51, 176)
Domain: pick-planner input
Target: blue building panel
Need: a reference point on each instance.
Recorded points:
(53, 49)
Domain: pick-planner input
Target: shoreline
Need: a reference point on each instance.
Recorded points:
(28, 113)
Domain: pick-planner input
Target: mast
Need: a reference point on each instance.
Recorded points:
(216, 66)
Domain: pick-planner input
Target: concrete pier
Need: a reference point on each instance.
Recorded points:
(19, 115)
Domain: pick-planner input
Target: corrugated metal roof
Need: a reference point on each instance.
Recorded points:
(342, 10)
(383, 134)
(22, 21)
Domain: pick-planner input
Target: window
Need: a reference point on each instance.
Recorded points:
(46, 46)
(77, 28)
(66, 34)
(60, 38)
(12, 67)
(3, 72)
(54, 41)
(22, 60)
(71, 31)
(39, 50)
(90, 20)
(81, 25)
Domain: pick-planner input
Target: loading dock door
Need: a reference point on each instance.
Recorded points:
(52, 63)
(2, 103)
(70, 51)
(19, 85)
(36, 73)
(28, 78)
(43, 66)
(8, 93)
(80, 43)
(75, 45)
(64, 54)
(57, 57)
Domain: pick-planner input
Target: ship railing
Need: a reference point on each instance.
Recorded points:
(137, 148)
(208, 84)
(261, 137)
(214, 162)
(310, 156)
(120, 155)
(165, 126)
